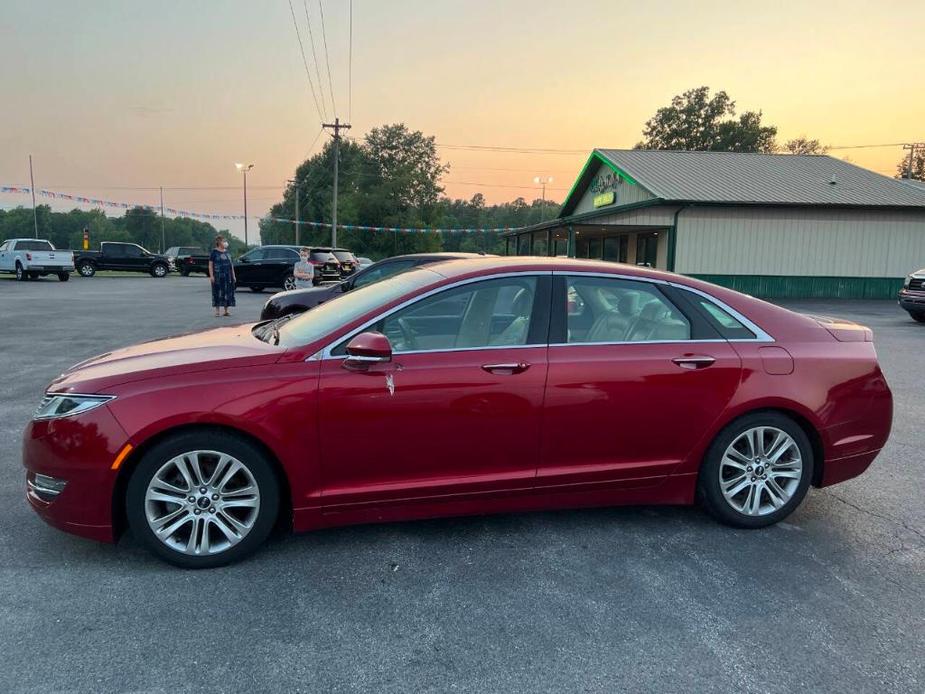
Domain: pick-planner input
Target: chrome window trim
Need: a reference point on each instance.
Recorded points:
(760, 335)
(326, 352)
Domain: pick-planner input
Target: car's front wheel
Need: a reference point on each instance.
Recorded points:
(918, 316)
(757, 471)
(159, 270)
(289, 283)
(202, 499)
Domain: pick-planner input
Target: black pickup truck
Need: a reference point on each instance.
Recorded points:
(126, 257)
(187, 259)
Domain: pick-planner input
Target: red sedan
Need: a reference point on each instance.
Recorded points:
(466, 387)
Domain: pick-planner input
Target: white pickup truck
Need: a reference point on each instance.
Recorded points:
(31, 258)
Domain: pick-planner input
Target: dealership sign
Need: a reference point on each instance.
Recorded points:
(604, 188)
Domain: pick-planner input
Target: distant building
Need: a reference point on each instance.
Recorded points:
(771, 225)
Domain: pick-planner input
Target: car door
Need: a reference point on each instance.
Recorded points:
(115, 256)
(279, 264)
(458, 409)
(248, 268)
(136, 258)
(634, 382)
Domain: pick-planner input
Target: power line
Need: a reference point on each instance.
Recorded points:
(311, 39)
(350, 64)
(327, 61)
(295, 24)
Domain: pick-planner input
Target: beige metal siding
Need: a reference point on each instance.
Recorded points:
(799, 242)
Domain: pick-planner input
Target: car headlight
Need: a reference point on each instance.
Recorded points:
(55, 405)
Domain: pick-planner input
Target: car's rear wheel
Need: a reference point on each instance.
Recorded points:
(757, 471)
(64, 276)
(86, 269)
(289, 283)
(202, 499)
(918, 316)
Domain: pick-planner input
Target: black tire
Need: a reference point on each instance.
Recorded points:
(709, 491)
(64, 276)
(918, 316)
(33, 275)
(289, 282)
(159, 270)
(256, 289)
(245, 452)
(21, 275)
(86, 269)
(184, 273)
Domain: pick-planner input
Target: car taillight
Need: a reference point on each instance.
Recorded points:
(316, 262)
(28, 256)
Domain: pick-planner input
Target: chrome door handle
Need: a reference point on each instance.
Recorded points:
(512, 368)
(693, 362)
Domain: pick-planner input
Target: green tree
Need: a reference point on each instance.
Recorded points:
(697, 121)
(918, 166)
(803, 145)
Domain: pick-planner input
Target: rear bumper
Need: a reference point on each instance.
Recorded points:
(79, 451)
(49, 268)
(912, 300)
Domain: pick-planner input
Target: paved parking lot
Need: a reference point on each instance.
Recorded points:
(635, 599)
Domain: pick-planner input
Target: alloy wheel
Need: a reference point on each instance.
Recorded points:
(289, 283)
(201, 503)
(760, 471)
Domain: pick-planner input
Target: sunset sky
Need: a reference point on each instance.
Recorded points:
(115, 97)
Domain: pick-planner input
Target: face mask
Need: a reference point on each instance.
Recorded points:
(225, 245)
(304, 258)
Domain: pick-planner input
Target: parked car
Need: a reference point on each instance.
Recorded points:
(364, 263)
(299, 300)
(272, 266)
(348, 262)
(188, 259)
(912, 295)
(476, 391)
(127, 257)
(31, 258)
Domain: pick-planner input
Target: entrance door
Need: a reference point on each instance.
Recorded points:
(631, 384)
(458, 409)
(647, 249)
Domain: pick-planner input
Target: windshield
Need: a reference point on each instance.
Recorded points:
(328, 317)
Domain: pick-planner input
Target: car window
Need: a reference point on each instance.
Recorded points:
(254, 255)
(728, 326)
(489, 313)
(133, 251)
(173, 250)
(616, 310)
(322, 257)
(116, 250)
(344, 256)
(282, 254)
(34, 246)
(5, 245)
(329, 316)
(381, 271)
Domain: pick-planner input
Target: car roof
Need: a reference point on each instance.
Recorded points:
(452, 268)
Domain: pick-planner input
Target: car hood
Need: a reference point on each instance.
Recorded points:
(221, 348)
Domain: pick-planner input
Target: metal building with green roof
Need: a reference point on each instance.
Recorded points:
(771, 225)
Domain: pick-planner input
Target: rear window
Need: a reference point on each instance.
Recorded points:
(345, 256)
(34, 246)
(323, 257)
(728, 326)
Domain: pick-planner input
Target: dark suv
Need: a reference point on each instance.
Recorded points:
(272, 266)
(301, 300)
(912, 295)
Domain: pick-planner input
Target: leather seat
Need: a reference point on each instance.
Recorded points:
(613, 326)
(516, 332)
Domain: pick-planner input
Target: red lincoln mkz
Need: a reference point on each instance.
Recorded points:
(466, 387)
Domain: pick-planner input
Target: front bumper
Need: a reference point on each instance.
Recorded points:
(912, 300)
(78, 451)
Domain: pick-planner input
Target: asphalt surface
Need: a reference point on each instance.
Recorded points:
(635, 599)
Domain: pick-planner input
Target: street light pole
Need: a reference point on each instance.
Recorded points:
(295, 184)
(35, 215)
(163, 241)
(244, 168)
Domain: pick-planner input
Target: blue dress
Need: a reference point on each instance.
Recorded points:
(223, 286)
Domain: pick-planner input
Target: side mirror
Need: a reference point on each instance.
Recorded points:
(367, 349)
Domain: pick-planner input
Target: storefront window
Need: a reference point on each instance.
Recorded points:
(539, 243)
(523, 244)
(594, 248)
(616, 248)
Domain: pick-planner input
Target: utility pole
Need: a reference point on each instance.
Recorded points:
(295, 183)
(35, 216)
(912, 147)
(543, 180)
(337, 126)
(163, 237)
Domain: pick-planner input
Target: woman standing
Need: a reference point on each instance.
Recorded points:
(221, 274)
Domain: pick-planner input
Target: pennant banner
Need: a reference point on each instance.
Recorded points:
(173, 212)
